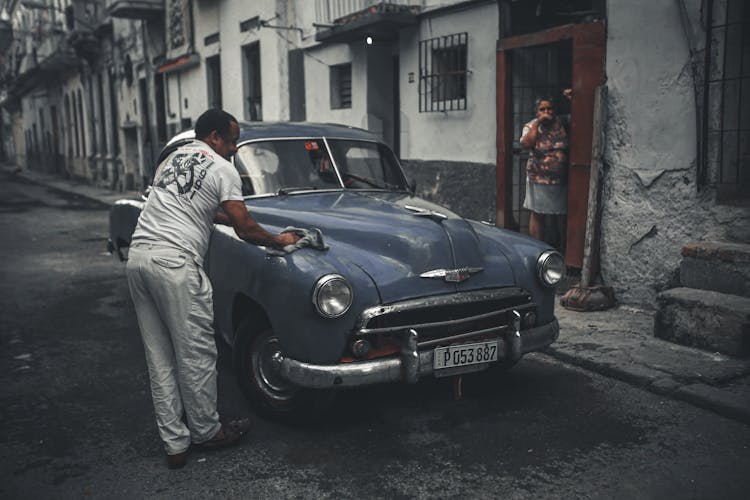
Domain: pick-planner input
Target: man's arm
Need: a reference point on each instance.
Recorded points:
(237, 216)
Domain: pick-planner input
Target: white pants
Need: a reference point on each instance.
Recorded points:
(174, 305)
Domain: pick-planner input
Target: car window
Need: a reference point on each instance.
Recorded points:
(306, 164)
(286, 164)
(366, 165)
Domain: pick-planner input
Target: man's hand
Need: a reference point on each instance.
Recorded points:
(285, 239)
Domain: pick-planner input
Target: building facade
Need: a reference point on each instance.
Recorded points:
(92, 89)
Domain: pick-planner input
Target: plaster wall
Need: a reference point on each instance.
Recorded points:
(225, 18)
(466, 135)
(318, 61)
(651, 202)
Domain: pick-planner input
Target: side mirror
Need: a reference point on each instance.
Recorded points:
(413, 186)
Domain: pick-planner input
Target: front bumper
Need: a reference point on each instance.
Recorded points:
(411, 365)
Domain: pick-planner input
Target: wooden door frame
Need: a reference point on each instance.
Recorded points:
(588, 45)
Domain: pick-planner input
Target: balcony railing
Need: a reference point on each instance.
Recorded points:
(135, 9)
(334, 11)
(348, 20)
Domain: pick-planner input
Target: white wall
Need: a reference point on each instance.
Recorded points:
(225, 17)
(467, 135)
(318, 61)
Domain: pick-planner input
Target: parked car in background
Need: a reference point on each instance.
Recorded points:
(406, 289)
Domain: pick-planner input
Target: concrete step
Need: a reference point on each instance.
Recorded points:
(718, 266)
(705, 319)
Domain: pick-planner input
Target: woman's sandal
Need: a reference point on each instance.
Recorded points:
(229, 434)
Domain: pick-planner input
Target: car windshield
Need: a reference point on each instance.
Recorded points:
(283, 166)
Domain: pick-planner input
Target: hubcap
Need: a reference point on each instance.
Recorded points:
(265, 373)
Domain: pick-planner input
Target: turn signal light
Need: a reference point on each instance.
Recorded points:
(360, 348)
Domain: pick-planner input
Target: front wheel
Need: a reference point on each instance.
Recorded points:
(264, 386)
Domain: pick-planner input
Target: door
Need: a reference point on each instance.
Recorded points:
(586, 44)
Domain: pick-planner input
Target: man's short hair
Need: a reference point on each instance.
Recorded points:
(214, 119)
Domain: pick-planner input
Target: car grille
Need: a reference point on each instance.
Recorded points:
(446, 318)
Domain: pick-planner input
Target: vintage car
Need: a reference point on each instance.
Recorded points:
(405, 290)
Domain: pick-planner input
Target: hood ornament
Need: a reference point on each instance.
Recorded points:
(423, 212)
(452, 275)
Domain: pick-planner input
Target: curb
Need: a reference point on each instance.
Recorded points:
(657, 382)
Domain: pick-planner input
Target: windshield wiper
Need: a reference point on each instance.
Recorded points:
(365, 180)
(291, 189)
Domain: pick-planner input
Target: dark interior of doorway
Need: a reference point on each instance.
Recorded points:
(542, 70)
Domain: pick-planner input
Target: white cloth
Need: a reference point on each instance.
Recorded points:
(174, 305)
(312, 238)
(188, 188)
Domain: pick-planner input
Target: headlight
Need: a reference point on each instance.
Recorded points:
(550, 267)
(332, 296)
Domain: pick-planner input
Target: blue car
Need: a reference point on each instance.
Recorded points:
(405, 290)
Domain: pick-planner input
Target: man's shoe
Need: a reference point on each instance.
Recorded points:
(178, 460)
(229, 434)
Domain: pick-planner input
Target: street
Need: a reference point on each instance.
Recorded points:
(77, 419)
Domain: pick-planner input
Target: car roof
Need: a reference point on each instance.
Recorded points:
(263, 130)
(275, 130)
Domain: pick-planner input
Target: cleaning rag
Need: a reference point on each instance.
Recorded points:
(310, 238)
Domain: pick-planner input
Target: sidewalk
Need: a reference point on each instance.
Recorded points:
(617, 343)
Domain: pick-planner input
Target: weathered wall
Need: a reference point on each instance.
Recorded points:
(651, 202)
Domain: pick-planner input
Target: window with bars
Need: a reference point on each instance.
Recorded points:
(726, 117)
(341, 86)
(442, 73)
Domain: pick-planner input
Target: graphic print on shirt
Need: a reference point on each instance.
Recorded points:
(184, 172)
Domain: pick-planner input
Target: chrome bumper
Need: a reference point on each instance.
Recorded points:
(410, 366)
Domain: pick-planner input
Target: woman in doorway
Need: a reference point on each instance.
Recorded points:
(547, 168)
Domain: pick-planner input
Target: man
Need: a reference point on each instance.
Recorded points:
(171, 291)
(546, 169)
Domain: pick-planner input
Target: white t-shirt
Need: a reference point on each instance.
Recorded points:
(189, 187)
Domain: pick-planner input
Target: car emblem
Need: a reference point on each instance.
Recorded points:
(452, 275)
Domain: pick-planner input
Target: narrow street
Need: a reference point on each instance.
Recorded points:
(77, 420)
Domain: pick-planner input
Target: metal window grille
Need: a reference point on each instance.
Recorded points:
(442, 73)
(341, 86)
(726, 115)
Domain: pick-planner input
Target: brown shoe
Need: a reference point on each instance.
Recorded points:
(178, 460)
(229, 434)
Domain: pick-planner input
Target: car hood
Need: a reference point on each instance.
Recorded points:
(394, 238)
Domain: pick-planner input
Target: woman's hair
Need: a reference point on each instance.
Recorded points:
(541, 98)
(213, 119)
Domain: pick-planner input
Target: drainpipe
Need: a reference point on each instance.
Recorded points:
(703, 167)
(700, 124)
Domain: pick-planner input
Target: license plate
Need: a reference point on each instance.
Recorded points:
(465, 354)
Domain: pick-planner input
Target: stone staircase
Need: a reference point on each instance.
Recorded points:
(711, 308)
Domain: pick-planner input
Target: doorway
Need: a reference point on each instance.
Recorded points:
(547, 61)
(543, 70)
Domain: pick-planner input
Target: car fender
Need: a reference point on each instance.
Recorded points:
(282, 286)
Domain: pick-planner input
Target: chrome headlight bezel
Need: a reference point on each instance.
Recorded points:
(543, 263)
(322, 288)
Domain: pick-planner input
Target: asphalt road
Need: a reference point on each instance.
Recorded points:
(77, 422)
